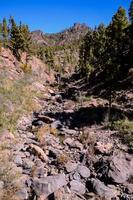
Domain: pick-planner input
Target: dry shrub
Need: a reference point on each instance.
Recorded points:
(26, 68)
(9, 175)
(41, 133)
(63, 159)
(87, 138)
(53, 131)
(89, 141)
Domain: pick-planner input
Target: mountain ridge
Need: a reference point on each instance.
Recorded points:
(75, 32)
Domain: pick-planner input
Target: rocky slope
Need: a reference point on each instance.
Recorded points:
(62, 154)
(14, 69)
(63, 149)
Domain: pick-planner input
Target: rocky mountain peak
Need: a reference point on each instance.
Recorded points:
(79, 26)
(76, 32)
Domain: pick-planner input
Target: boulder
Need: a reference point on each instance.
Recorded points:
(22, 194)
(66, 194)
(70, 166)
(51, 92)
(83, 171)
(69, 141)
(76, 176)
(77, 187)
(121, 168)
(129, 187)
(103, 191)
(56, 124)
(18, 160)
(28, 164)
(58, 98)
(73, 144)
(45, 119)
(37, 122)
(39, 172)
(69, 131)
(78, 145)
(19, 147)
(1, 185)
(104, 148)
(30, 135)
(39, 152)
(48, 185)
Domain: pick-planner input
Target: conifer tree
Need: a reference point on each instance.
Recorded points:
(1, 36)
(16, 39)
(5, 32)
(116, 42)
(27, 43)
(129, 37)
(92, 50)
(49, 57)
(131, 12)
(86, 54)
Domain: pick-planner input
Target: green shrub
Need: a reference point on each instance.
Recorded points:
(125, 130)
(86, 98)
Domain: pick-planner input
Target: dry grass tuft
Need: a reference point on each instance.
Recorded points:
(9, 175)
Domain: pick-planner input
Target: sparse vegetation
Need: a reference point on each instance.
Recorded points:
(86, 98)
(9, 175)
(41, 133)
(26, 68)
(125, 130)
(16, 99)
(63, 159)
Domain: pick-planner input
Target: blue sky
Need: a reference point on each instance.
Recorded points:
(55, 15)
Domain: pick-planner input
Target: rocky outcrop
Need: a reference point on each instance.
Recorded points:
(121, 168)
(13, 69)
(104, 191)
(48, 185)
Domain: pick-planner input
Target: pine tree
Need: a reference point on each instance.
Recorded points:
(99, 47)
(49, 57)
(129, 38)
(115, 44)
(1, 36)
(85, 54)
(5, 32)
(27, 42)
(131, 12)
(92, 50)
(118, 24)
(115, 62)
(1, 32)
(40, 52)
(16, 39)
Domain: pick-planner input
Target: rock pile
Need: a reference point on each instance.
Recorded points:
(57, 164)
